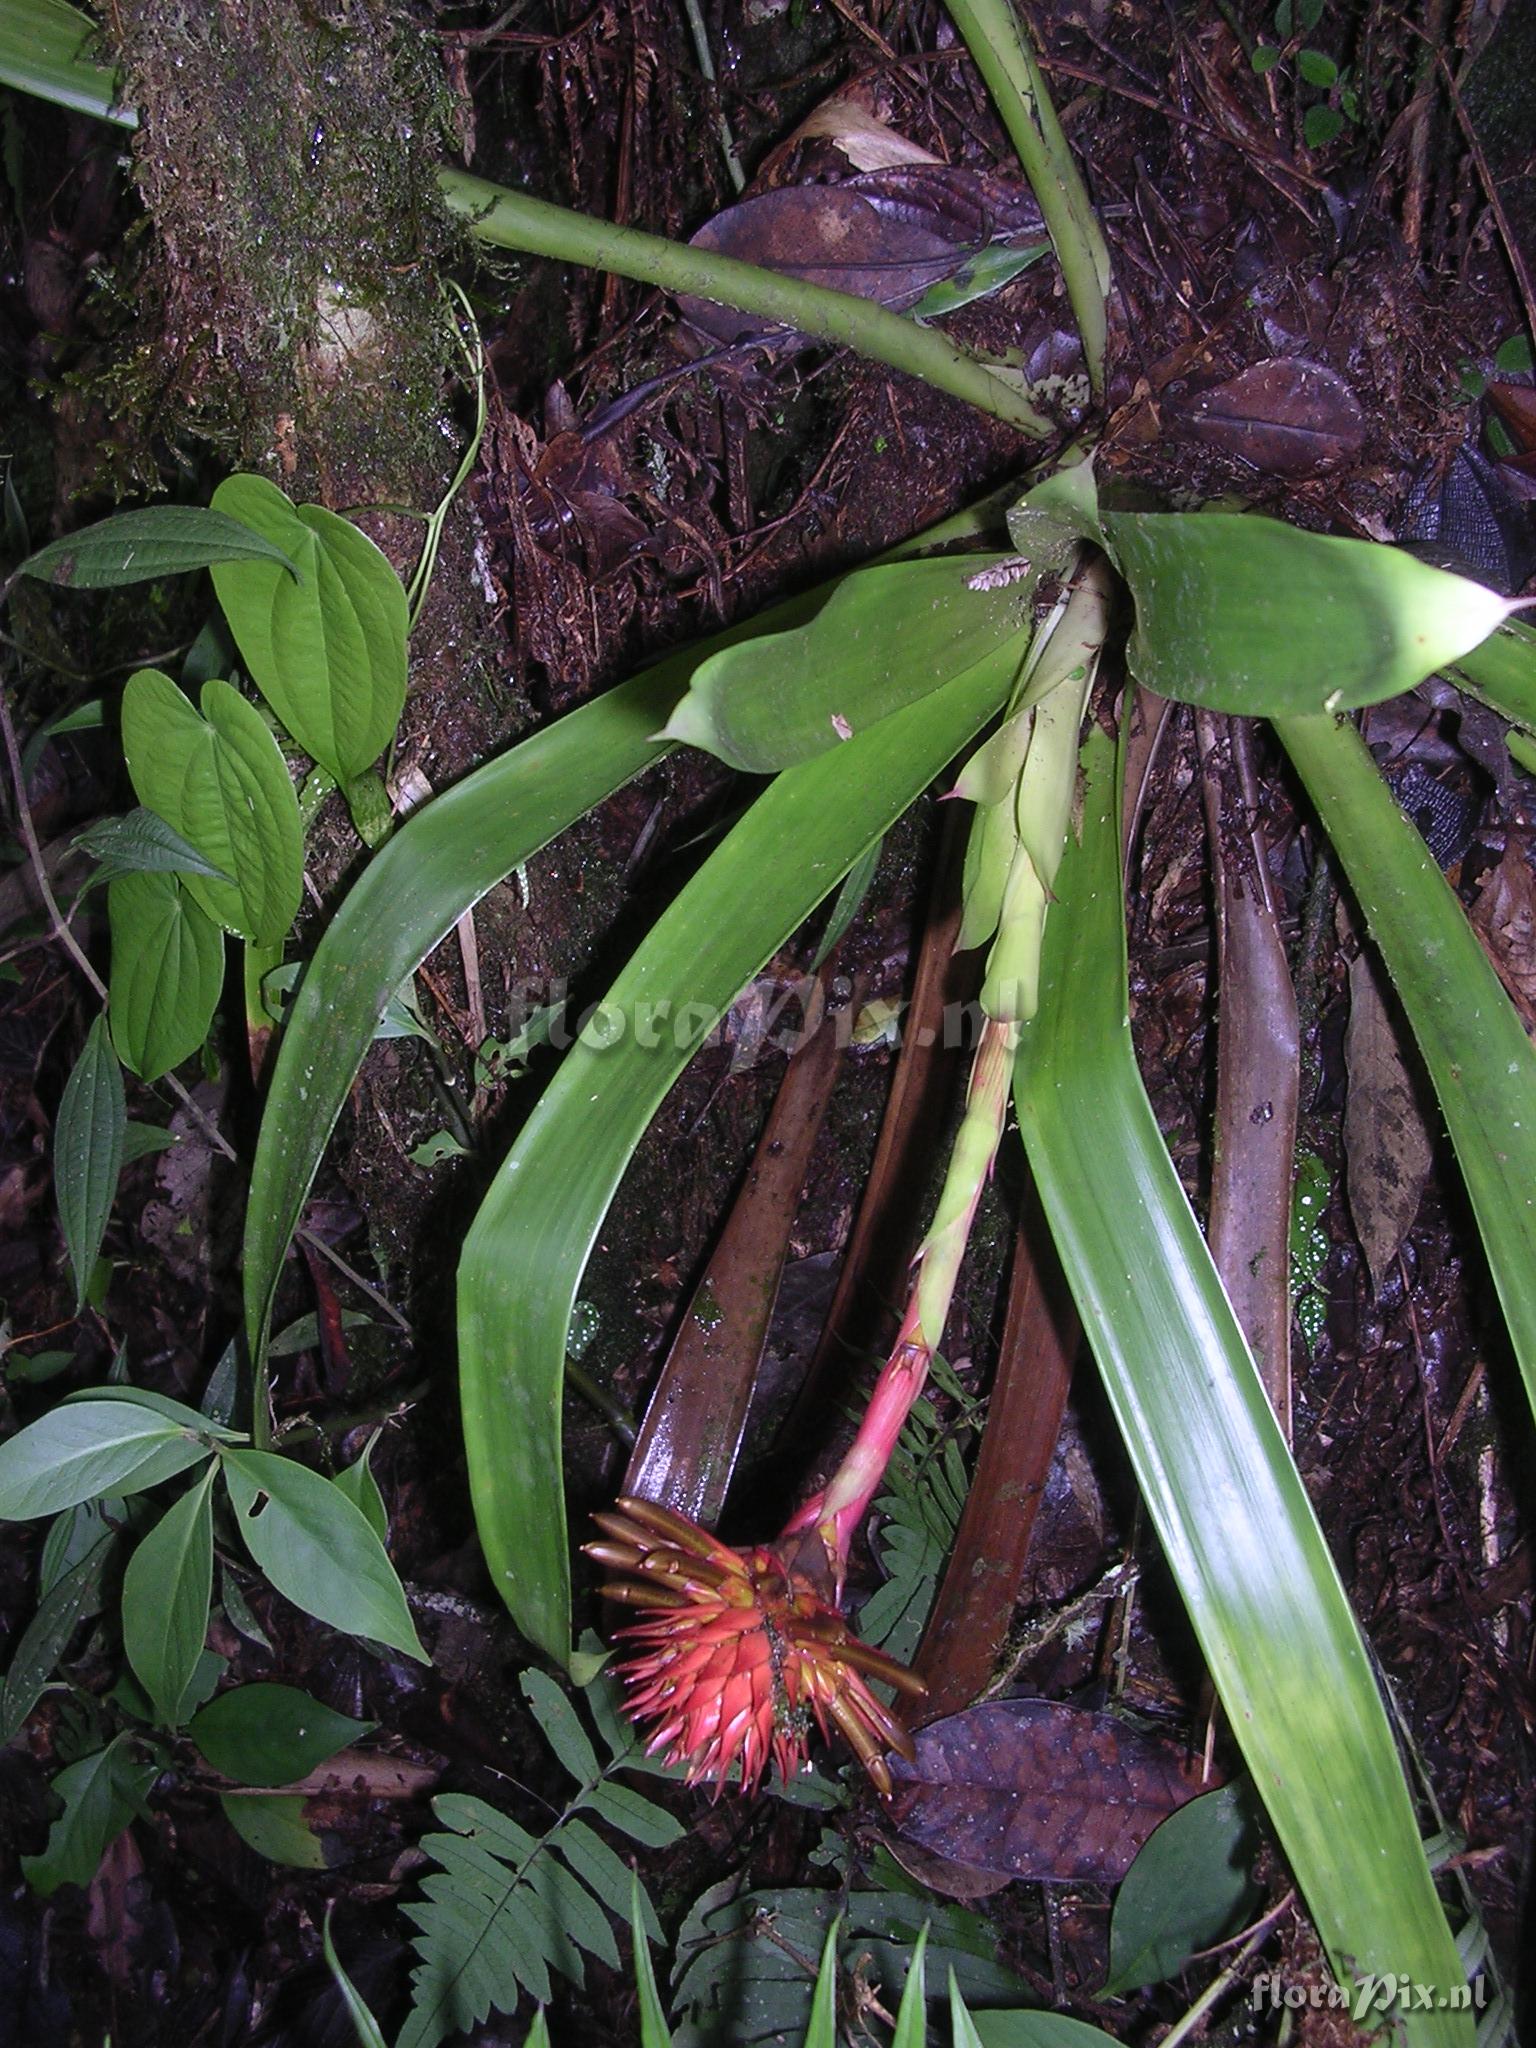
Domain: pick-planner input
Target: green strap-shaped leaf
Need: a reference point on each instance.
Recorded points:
(654, 2031)
(327, 650)
(884, 637)
(317, 1548)
(167, 1589)
(167, 971)
(525, 1253)
(1252, 616)
(1224, 1495)
(408, 898)
(158, 540)
(1502, 672)
(416, 890)
(88, 1151)
(220, 781)
(1480, 1060)
(47, 48)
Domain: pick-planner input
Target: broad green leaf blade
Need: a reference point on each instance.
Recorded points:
(87, 1447)
(525, 1253)
(414, 892)
(274, 1828)
(159, 540)
(1249, 615)
(47, 48)
(410, 896)
(167, 1589)
(1230, 1511)
(101, 1794)
(1480, 1060)
(317, 1548)
(167, 971)
(654, 2031)
(88, 1151)
(220, 781)
(327, 650)
(1190, 1887)
(266, 1734)
(143, 844)
(1021, 2029)
(884, 637)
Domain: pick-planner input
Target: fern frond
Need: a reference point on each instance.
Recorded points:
(505, 1907)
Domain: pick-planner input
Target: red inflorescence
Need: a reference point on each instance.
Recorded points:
(738, 1654)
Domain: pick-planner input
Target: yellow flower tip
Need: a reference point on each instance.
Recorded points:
(737, 1656)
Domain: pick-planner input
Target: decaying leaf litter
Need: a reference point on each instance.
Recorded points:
(1275, 342)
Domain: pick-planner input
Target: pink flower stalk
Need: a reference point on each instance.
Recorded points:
(739, 1652)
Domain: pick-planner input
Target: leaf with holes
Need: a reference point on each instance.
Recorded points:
(219, 780)
(317, 1548)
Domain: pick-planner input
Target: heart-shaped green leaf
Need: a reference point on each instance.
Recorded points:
(167, 970)
(219, 780)
(328, 651)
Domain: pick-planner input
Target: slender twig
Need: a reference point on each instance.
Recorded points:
(701, 49)
(29, 840)
(1219, 1986)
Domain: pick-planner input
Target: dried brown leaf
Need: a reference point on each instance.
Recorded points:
(1039, 1789)
(1286, 416)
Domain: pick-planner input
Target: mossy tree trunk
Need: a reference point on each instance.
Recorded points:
(292, 316)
